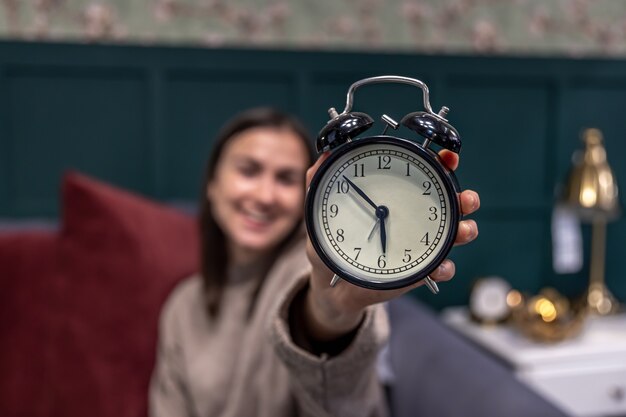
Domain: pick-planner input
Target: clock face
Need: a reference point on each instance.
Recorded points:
(382, 212)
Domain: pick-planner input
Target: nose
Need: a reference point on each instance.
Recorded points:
(265, 192)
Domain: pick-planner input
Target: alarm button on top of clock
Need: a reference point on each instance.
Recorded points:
(434, 128)
(341, 129)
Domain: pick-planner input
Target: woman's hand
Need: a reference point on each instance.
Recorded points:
(331, 312)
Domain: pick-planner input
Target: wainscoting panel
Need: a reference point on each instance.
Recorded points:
(144, 118)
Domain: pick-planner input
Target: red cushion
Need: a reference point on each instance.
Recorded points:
(121, 255)
(30, 281)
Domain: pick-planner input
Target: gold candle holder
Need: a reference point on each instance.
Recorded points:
(547, 317)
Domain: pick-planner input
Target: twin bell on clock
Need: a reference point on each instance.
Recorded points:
(383, 211)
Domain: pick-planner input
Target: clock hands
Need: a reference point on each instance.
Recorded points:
(369, 237)
(383, 236)
(381, 213)
(360, 192)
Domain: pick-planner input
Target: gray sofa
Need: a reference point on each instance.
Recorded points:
(439, 373)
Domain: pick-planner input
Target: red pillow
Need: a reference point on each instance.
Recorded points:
(29, 283)
(121, 254)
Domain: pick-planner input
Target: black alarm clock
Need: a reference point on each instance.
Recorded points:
(383, 211)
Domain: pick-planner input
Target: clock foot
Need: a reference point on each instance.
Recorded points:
(334, 281)
(432, 285)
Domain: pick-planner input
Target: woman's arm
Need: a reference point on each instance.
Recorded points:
(337, 378)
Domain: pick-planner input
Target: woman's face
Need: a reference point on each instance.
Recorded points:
(257, 191)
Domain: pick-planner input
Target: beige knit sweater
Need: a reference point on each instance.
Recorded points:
(239, 367)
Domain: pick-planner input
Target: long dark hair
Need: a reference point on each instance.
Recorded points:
(214, 256)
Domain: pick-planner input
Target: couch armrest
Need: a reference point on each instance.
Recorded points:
(438, 373)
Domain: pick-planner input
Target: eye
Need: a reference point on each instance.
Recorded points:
(248, 169)
(289, 178)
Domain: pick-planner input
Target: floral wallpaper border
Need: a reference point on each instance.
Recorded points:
(541, 27)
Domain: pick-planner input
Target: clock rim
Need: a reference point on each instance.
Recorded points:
(451, 187)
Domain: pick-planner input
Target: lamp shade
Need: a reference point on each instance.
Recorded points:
(591, 189)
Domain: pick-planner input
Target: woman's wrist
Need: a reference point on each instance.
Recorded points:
(324, 320)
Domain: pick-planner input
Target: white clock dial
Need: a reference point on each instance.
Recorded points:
(413, 209)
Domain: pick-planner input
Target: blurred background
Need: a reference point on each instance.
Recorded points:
(564, 27)
(132, 92)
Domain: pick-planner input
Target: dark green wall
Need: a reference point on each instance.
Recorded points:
(143, 118)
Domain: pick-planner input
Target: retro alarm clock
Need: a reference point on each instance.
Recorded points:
(382, 211)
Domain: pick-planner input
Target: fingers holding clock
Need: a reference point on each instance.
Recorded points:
(467, 232)
(450, 159)
(444, 272)
(468, 229)
(470, 202)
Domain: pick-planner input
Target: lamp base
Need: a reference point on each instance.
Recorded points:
(600, 301)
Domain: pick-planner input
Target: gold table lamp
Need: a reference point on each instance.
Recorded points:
(591, 191)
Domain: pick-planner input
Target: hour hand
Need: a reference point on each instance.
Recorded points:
(383, 234)
(360, 192)
(381, 214)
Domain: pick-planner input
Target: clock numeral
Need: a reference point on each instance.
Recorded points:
(382, 261)
(427, 185)
(342, 187)
(340, 236)
(359, 170)
(334, 210)
(425, 240)
(433, 214)
(408, 173)
(407, 256)
(358, 252)
(384, 162)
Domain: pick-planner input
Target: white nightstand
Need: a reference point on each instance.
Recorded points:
(585, 376)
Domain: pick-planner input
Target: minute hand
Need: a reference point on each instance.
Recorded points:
(360, 192)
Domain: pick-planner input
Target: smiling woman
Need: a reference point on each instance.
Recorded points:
(254, 185)
(256, 193)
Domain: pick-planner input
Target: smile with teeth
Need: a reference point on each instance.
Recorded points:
(257, 217)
